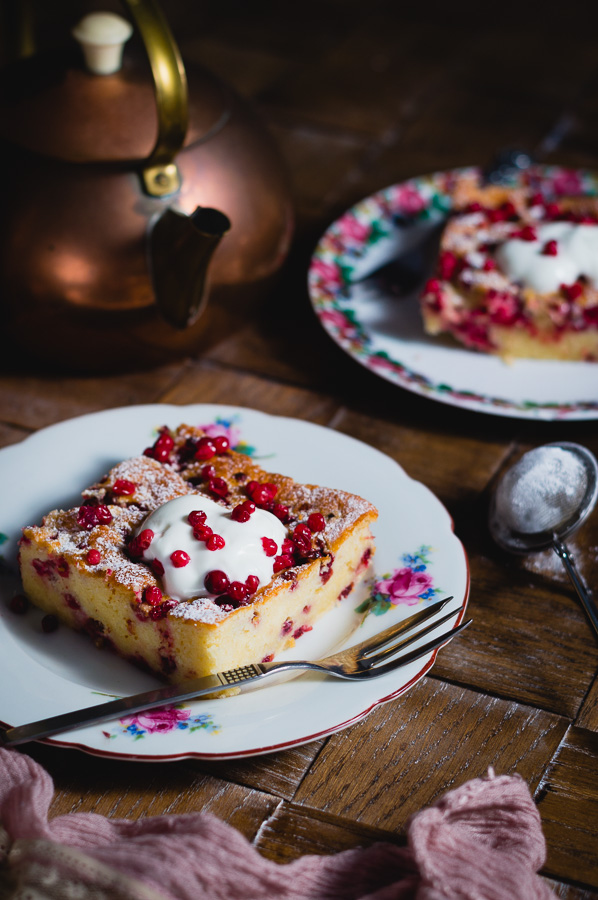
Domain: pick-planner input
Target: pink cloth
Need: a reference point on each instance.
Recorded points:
(482, 841)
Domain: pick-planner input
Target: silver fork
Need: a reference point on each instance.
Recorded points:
(369, 659)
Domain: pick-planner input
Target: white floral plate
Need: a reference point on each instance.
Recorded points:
(418, 558)
(385, 334)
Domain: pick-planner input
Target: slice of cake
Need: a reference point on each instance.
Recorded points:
(517, 274)
(191, 559)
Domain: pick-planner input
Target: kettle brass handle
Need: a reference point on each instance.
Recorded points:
(160, 175)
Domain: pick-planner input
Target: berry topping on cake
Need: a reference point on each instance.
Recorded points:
(243, 511)
(205, 449)
(202, 532)
(188, 552)
(192, 567)
(162, 448)
(179, 559)
(270, 546)
(122, 487)
(316, 522)
(252, 583)
(89, 516)
(152, 595)
(216, 582)
(221, 442)
(197, 517)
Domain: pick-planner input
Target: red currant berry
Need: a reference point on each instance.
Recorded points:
(252, 583)
(218, 486)
(316, 522)
(215, 542)
(152, 595)
(282, 562)
(216, 582)
(122, 487)
(161, 454)
(237, 591)
(202, 532)
(205, 449)
(196, 517)
(222, 443)
(165, 439)
(270, 546)
(281, 512)
(179, 559)
(103, 514)
(240, 514)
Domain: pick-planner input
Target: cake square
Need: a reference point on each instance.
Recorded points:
(191, 559)
(517, 273)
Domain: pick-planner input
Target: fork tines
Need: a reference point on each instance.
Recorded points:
(373, 657)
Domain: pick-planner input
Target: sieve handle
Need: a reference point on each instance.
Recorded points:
(589, 605)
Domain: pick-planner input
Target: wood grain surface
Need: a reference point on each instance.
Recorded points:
(359, 96)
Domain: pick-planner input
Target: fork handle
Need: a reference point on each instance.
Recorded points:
(135, 703)
(114, 709)
(190, 690)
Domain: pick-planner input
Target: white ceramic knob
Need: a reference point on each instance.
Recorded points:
(102, 36)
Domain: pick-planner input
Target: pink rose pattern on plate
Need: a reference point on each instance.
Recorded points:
(229, 428)
(163, 721)
(406, 585)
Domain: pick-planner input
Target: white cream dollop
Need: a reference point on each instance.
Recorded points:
(577, 255)
(242, 555)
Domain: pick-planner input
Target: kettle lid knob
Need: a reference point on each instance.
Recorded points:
(102, 36)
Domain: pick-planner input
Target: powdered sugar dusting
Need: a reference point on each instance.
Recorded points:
(542, 490)
(200, 610)
(340, 509)
(155, 483)
(67, 539)
(495, 281)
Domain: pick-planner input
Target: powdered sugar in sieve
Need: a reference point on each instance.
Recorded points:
(543, 490)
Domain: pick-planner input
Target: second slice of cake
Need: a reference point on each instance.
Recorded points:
(517, 274)
(191, 559)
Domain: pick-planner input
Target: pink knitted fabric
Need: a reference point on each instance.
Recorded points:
(482, 841)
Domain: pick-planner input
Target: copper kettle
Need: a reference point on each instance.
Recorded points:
(126, 196)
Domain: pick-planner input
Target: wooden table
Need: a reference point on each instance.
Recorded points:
(361, 95)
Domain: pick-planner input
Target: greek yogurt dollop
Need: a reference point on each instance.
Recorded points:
(243, 553)
(576, 255)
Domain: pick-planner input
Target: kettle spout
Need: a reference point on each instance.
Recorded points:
(181, 248)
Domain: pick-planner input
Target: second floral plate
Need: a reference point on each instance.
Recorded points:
(418, 559)
(384, 332)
